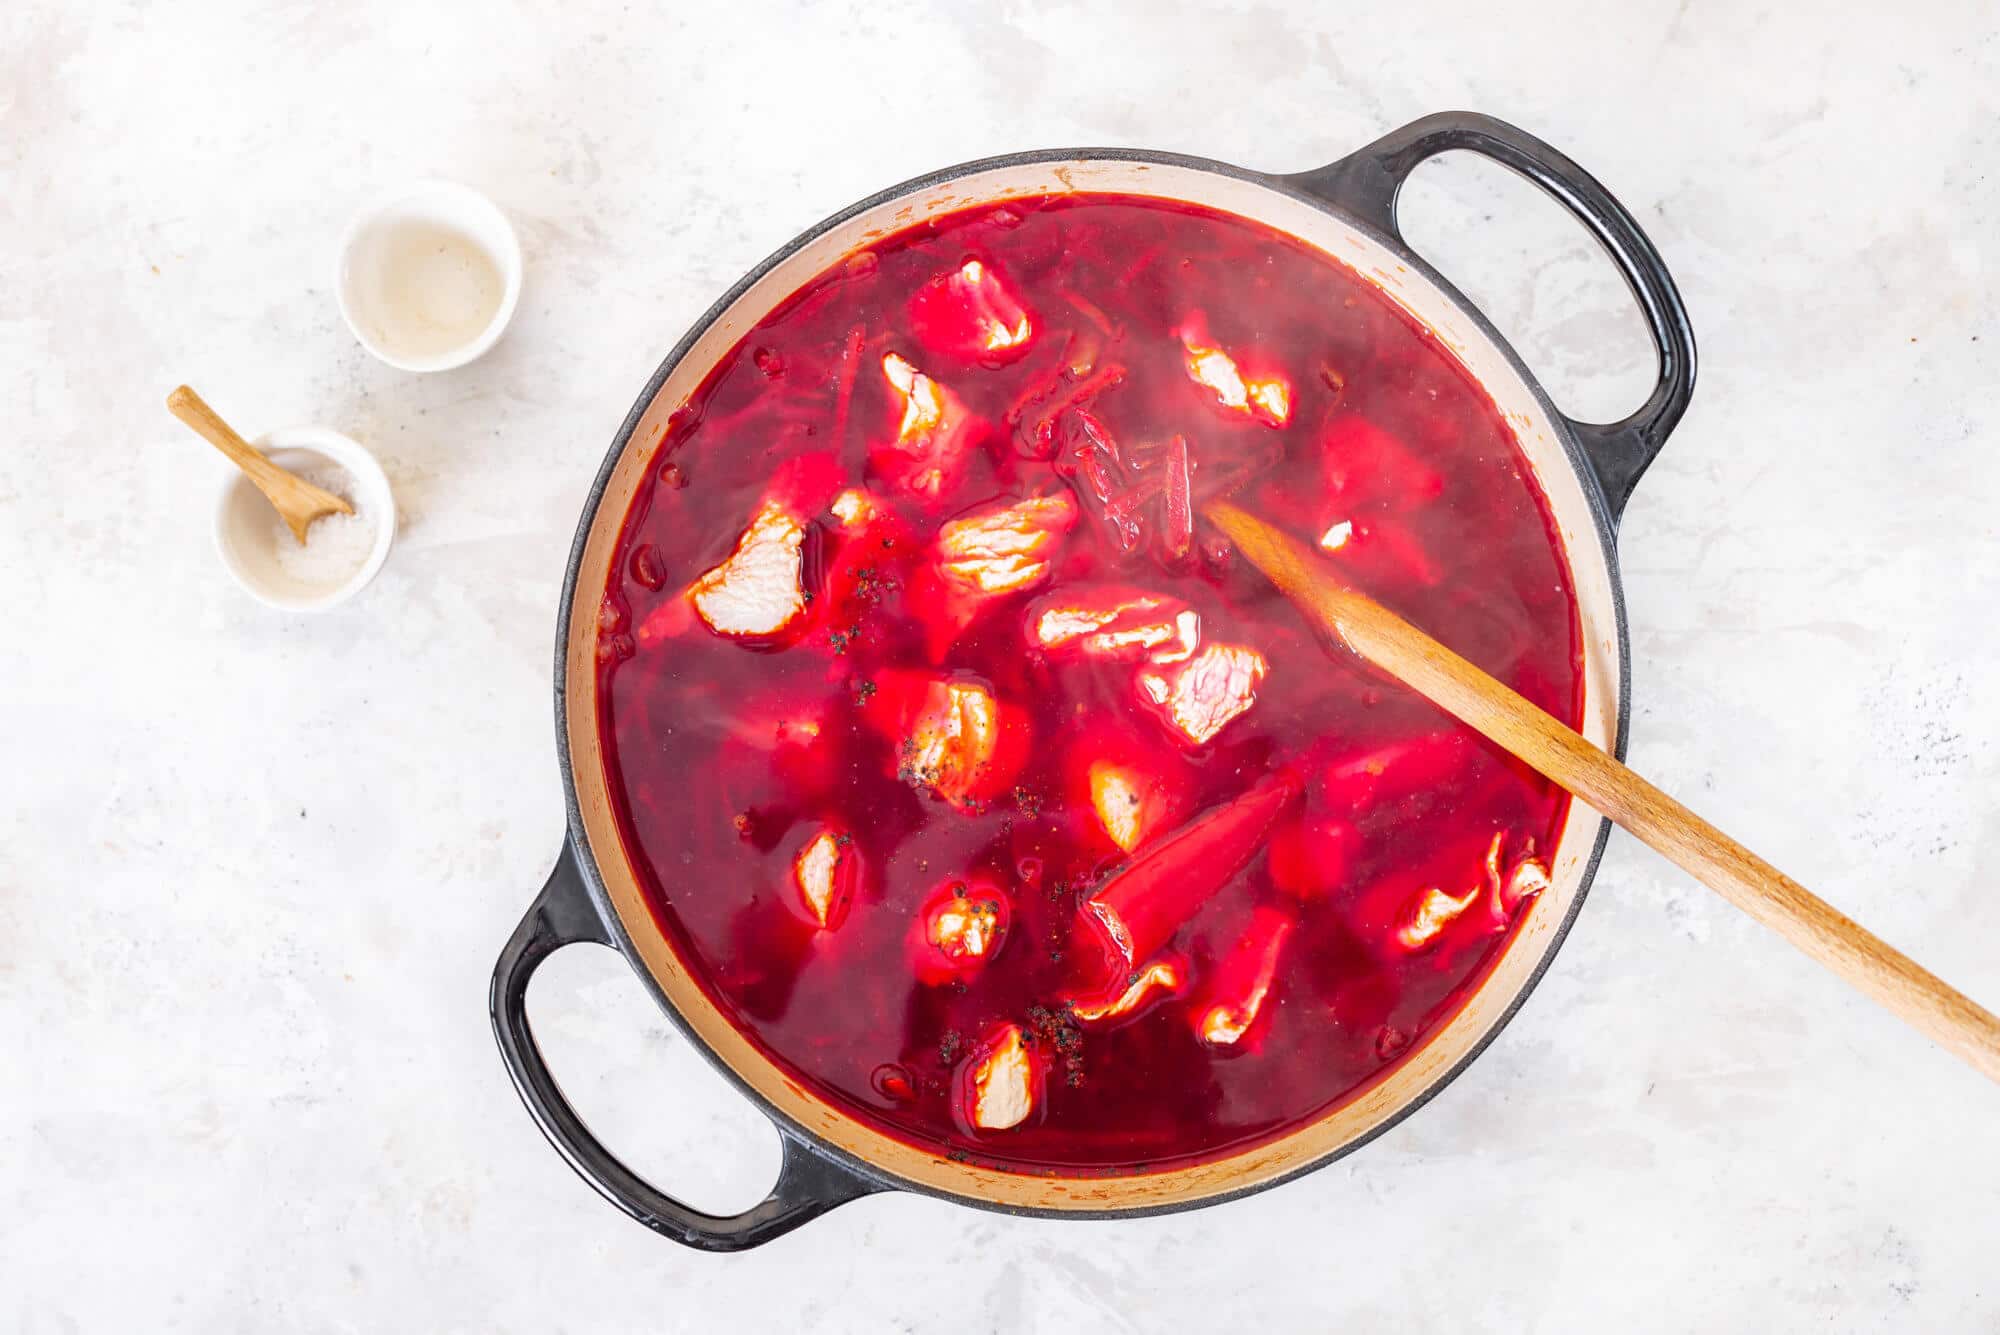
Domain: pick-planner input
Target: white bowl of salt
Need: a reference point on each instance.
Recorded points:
(341, 552)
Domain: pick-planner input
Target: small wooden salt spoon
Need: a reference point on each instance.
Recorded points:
(297, 501)
(1698, 848)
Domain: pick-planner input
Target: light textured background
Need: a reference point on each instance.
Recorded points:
(254, 868)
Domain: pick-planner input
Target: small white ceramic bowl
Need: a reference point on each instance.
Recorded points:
(429, 276)
(248, 530)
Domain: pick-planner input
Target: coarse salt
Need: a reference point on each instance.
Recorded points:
(336, 545)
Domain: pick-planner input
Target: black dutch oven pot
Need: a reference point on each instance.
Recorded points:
(1348, 210)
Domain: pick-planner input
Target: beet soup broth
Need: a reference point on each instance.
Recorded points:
(972, 773)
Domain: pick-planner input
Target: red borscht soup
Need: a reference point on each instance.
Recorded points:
(972, 773)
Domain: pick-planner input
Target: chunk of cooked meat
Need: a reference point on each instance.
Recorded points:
(756, 590)
(1200, 696)
(1003, 1084)
(1005, 548)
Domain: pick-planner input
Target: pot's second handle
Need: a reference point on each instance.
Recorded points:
(808, 1183)
(1366, 184)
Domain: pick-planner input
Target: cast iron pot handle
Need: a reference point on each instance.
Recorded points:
(809, 1184)
(1366, 184)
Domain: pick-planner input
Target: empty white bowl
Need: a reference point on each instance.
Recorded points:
(429, 276)
(261, 553)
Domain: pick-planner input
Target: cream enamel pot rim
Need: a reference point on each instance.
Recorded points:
(1346, 209)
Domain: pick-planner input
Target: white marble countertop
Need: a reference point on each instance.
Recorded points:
(257, 867)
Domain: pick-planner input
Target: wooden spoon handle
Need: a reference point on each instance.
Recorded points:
(1712, 857)
(191, 408)
(297, 501)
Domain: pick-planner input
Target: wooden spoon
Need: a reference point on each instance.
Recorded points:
(1710, 856)
(297, 501)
